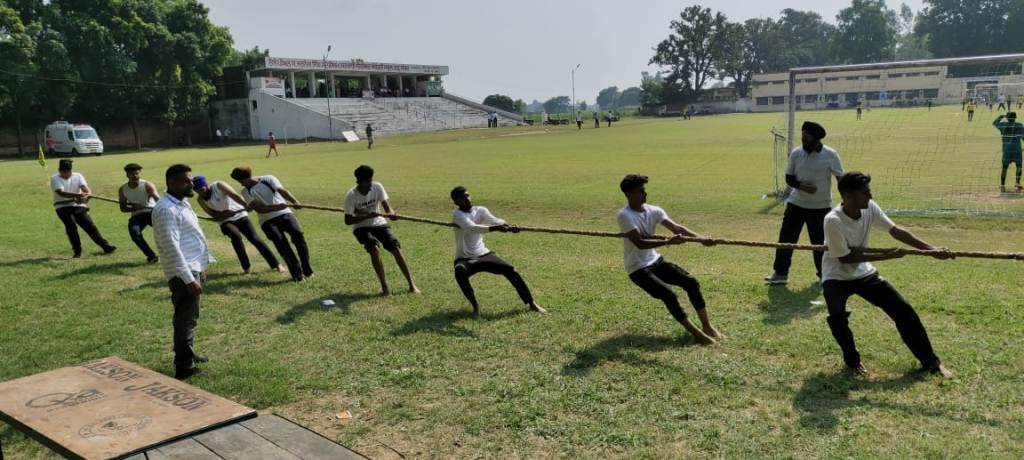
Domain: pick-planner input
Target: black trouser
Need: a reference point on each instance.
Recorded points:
(793, 222)
(236, 229)
(655, 280)
(72, 215)
(490, 263)
(276, 229)
(579, 125)
(597, 123)
(881, 294)
(186, 315)
(136, 224)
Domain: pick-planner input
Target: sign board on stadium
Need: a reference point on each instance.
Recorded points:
(110, 408)
(272, 85)
(353, 66)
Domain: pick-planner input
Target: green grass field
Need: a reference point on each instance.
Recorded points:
(608, 373)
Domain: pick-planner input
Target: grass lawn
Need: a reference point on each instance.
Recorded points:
(608, 372)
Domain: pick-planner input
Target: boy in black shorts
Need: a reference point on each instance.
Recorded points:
(363, 205)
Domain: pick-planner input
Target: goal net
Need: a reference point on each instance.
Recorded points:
(906, 124)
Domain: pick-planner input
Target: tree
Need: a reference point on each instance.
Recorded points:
(558, 104)
(629, 97)
(751, 48)
(18, 52)
(909, 45)
(651, 90)
(804, 40)
(606, 97)
(519, 105)
(248, 59)
(499, 101)
(582, 105)
(957, 28)
(693, 49)
(865, 32)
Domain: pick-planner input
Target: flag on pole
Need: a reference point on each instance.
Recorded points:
(42, 158)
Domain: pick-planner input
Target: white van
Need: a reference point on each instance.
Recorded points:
(73, 139)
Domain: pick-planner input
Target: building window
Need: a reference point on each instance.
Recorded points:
(895, 75)
(852, 97)
(832, 79)
(872, 77)
(810, 80)
(931, 93)
(853, 78)
(779, 82)
(931, 74)
(763, 101)
(832, 98)
(810, 98)
(778, 100)
(914, 74)
(872, 95)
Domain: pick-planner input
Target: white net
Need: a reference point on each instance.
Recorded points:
(909, 127)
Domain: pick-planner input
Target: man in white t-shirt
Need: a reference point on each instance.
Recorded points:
(638, 222)
(70, 195)
(138, 196)
(227, 208)
(809, 172)
(274, 204)
(472, 257)
(363, 206)
(847, 271)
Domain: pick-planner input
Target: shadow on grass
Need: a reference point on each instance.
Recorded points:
(783, 305)
(774, 203)
(115, 268)
(35, 261)
(822, 396)
(444, 323)
(222, 284)
(342, 301)
(619, 349)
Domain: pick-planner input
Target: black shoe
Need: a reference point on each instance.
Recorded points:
(200, 359)
(184, 374)
(76, 255)
(109, 249)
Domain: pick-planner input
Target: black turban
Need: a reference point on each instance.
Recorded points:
(813, 129)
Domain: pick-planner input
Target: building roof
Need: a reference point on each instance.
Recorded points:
(352, 65)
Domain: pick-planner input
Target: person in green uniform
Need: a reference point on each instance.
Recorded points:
(1011, 133)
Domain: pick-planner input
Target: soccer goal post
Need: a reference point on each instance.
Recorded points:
(905, 123)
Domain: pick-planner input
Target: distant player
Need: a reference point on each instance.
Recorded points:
(647, 269)
(847, 271)
(273, 145)
(859, 111)
(1020, 102)
(971, 106)
(579, 120)
(1011, 133)
(597, 120)
(1002, 103)
(369, 136)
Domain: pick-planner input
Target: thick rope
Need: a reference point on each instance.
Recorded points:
(111, 200)
(717, 241)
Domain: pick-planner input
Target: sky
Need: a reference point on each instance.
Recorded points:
(525, 49)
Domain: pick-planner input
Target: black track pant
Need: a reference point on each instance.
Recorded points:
(490, 263)
(655, 280)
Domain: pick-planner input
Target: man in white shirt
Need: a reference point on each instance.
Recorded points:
(638, 222)
(363, 206)
(184, 257)
(138, 197)
(847, 271)
(274, 204)
(809, 172)
(70, 194)
(227, 208)
(472, 257)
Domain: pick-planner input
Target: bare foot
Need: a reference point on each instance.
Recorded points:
(279, 269)
(702, 339)
(536, 308)
(415, 290)
(710, 331)
(858, 370)
(941, 370)
(246, 272)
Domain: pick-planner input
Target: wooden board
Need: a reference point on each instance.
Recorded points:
(303, 443)
(111, 408)
(349, 136)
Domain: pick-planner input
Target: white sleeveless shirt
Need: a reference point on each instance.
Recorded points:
(137, 196)
(220, 202)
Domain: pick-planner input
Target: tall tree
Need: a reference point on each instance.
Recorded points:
(18, 53)
(910, 45)
(248, 59)
(629, 97)
(557, 104)
(500, 101)
(606, 97)
(957, 28)
(752, 47)
(693, 49)
(865, 32)
(805, 39)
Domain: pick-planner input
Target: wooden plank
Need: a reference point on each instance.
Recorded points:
(238, 442)
(304, 443)
(186, 449)
(110, 408)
